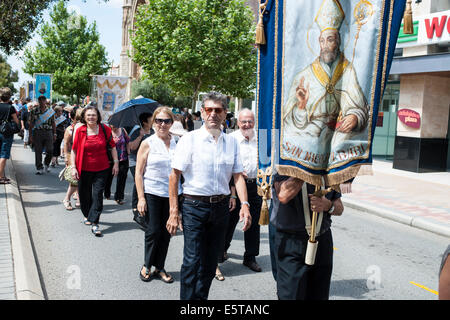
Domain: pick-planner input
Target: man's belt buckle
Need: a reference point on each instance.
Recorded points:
(215, 199)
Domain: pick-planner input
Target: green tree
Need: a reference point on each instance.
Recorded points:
(7, 75)
(196, 46)
(159, 92)
(18, 20)
(70, 50)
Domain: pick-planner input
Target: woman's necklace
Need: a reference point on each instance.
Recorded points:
(92, 132)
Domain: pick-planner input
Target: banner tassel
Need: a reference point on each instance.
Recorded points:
(260, 37)
(264, 215)
(408, 27)
(264, 191)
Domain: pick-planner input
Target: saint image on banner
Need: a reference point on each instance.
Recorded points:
(108, 101)
(325, 108)
(43, 85)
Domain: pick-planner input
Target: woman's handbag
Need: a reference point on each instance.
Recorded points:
(8, 128)
(108, 146)
(66, 174)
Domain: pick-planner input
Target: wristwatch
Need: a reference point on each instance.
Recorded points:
(245, 202)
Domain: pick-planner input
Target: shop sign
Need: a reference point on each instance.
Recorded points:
(409, 117)
(428, 29)
(434, 28)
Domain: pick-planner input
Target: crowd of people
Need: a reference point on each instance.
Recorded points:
(194, 172)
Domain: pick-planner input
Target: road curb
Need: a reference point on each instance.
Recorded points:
(28, 284)
(416, 222)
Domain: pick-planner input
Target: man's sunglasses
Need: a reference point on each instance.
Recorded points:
(210, 110)
(166, 121)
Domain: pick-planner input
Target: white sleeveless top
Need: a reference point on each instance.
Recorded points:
(158, 167)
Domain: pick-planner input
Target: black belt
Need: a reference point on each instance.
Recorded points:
(207, 199)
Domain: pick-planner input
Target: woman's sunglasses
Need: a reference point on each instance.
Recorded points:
(166, 121)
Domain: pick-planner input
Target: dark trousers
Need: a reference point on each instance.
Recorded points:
(120, 182)
(157, 237)
(42, 138)
(204, 227)
(134, 196)
(57, 147)
(295, 279)
(90, 192)
(252, 235)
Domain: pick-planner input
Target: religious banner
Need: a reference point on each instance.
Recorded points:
(321, 75)
(43, 86)
(111, 93)
(30, 90)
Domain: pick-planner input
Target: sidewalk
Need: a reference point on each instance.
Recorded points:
(19, 277)
(421, 200)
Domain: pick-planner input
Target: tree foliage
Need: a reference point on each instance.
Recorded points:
(196, 46)
(159, 92)
(7, 75)
(18, 20)
(70, 50)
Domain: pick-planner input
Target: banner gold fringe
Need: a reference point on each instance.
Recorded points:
(337, 181)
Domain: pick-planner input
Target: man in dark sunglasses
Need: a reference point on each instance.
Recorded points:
(208, 159)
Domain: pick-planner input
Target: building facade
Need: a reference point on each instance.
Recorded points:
(413, 128)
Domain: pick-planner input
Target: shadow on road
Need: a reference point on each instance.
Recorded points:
(353, 288)
(118, 227)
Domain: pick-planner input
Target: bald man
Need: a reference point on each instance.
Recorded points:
(246, 138)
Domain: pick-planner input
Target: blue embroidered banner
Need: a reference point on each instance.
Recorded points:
(43, 86)
(321, 77)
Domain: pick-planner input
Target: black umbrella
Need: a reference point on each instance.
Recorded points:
(127, 115)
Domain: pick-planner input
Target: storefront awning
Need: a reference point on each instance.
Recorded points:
(421, 64)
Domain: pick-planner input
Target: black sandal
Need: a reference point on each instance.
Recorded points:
(5, 180)
(157, 274)
(147, 273)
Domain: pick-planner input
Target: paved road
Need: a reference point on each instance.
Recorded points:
(374, 258)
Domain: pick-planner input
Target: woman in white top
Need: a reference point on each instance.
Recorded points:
(153, 168)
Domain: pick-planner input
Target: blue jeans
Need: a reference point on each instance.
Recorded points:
(204, 226)
(5, 146)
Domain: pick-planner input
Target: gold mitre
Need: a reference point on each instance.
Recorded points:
(330, 15)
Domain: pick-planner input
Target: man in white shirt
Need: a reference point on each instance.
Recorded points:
(208, 159)
(248, 144)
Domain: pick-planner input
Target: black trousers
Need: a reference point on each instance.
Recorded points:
(252, 235)
(42, 138)
(157, 237)
(134, 196)
(57, 146)
(90, 192)
(295, 279)
(120, 182)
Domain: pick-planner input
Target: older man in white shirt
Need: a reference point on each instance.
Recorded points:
(248, 144)
(208, 159)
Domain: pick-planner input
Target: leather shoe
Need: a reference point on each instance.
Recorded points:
(252, 265)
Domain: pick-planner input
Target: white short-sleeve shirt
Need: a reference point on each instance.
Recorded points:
(249, 153)
(207, 165)
(157, 169)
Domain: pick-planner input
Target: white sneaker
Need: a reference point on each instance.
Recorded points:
(47, 169)
(40, 172)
